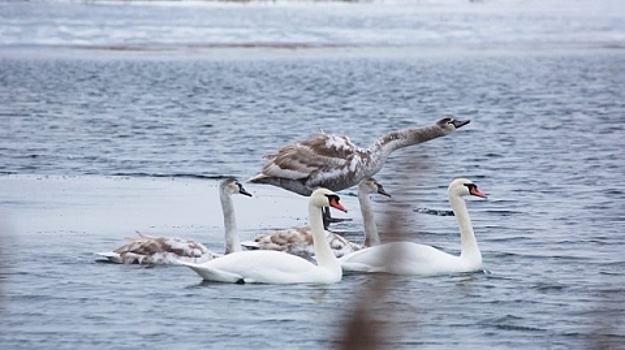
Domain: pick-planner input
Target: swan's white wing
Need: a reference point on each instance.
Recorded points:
(402, 258)
(263, 266)
(372, 259)
(209, 273)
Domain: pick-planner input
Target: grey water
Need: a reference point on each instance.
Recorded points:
(116, 117)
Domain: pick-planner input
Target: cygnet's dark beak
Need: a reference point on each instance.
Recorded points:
(460, 123)
(382, 191)
(244, 192)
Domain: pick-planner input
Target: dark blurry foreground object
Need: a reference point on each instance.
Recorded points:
(363, 328)
(5, 233)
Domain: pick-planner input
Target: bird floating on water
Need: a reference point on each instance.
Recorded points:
(269, 266)
(409, 258)
(171, 250)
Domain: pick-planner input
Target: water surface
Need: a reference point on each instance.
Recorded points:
(98, 142)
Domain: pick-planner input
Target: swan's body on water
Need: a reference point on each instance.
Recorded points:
(147, 249)
(299, 241)
(408, 258)
(334, 162)
(268, 266)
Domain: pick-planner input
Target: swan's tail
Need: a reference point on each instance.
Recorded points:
(111, 257)
(211, 274)
(251, 245)
(143, 235)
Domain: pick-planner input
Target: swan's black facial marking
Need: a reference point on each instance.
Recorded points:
(471, 186)
(381, 189)
(474, 191)
(242, 190)
(451, 123)
(335, 202)
(459, 123)
(334, 197)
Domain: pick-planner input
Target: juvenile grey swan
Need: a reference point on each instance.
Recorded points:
(170, 250)
(334, 162)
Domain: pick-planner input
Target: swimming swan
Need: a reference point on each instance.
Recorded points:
(268, 266)
(170, 250)
(299, 240)
(408, 258)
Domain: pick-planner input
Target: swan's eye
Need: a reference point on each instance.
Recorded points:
(451, 122)
(471, 186)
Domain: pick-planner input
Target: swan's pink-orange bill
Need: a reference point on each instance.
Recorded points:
(474, 191)
(334, 203)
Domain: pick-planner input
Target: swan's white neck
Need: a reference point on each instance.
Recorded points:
(468, 243)
(399, 139)
(323, 253)
(230, 224)
(372, 237)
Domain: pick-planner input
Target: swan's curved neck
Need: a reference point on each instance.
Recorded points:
(400, 139)
(230, 224)
(468, 243)
(323, 253)
(371, 230)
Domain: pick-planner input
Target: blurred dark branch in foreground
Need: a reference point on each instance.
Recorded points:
(4, 234)
(364, 329)
(608, 317)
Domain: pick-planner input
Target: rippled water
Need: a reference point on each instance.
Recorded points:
(98, 142)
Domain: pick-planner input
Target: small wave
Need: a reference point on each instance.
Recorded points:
(503, 212)
(435, 212)
(548, 287)
(506, 323)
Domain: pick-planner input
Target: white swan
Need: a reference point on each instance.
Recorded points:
(407, 258)
(334, 162)
(170, 250)
(268, 266)
(299, 240)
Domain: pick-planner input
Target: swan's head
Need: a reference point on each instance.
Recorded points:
(449, 124)
(464, 187)
(322, 197)
(231, 186)
(371, 185)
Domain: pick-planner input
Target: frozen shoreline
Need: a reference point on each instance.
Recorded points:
(117, 206)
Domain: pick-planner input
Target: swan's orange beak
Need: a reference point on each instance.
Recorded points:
(474, 191)
(334, 203)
